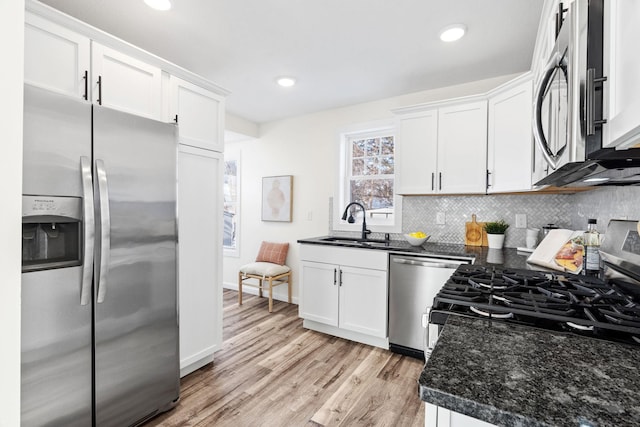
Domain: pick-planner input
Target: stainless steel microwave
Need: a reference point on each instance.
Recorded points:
(567, 122)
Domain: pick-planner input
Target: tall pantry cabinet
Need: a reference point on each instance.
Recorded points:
(67, 56)
(200, 117)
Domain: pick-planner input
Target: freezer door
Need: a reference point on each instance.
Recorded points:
(56, 326)
(136, 327)
(57, 132)
(56, 350)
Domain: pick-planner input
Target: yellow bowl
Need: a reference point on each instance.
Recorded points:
(415, 241)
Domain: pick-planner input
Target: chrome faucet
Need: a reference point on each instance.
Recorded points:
(351, 219)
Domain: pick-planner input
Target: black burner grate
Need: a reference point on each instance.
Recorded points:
(584, 304)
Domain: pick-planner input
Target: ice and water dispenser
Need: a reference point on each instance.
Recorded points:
(51, 232)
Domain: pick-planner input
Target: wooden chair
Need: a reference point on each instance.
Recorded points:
(269, 270)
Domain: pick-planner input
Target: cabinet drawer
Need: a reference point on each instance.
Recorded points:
(363, 258)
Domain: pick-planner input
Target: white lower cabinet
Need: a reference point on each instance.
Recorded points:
(200, 173)
(344, 292)
(320, 293)
(363, 300)
(436, 416)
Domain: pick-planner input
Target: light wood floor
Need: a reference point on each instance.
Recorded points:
(273, 372)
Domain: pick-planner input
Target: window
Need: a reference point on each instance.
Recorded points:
(369, 178)
(231, 214)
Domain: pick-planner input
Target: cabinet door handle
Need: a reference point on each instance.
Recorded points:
(340, 283)
(439, 180)
(590, 103)
(488, 184)
(335, 272)
(86, 84)
(433, 177)
(99, 90)
(176, 119)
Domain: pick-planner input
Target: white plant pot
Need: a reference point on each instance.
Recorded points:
(495, 256)
(496, 241)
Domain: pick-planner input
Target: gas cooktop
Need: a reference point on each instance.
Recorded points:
(581, 304)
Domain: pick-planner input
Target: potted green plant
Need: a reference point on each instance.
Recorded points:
(495, 233)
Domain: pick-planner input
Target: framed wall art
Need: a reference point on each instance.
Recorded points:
(277, 198)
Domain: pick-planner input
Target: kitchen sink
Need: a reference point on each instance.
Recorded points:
(358, 242)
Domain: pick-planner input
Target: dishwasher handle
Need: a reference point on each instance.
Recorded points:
(430, 262)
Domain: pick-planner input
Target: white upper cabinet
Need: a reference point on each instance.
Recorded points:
(200, 115)
(416, 153)
(125, 83)
(462, 148)
(622, 68)
(63, 61)
(509, 154)
(442, 150)
(55, 58)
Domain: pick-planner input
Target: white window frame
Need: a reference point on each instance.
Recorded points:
(343, 183)
(230, 155)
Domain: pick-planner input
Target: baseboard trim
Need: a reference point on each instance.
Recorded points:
(346, 334)
(186, 370)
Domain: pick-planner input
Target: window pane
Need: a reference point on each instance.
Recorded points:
(372, 147)
(357, 167)
(370, 174)
(386, 165)
(372, 166)
(358, 148)
(373, 193)
(386, 145)
(230, 204)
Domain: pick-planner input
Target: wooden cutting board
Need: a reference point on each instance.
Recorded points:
(474, 234)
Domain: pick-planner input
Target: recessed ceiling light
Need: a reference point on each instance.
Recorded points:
(453, 32)
(159, 4)
(286, 81)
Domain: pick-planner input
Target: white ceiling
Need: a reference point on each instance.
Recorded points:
(342, 52)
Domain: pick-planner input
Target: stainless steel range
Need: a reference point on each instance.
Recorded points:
(606, 307)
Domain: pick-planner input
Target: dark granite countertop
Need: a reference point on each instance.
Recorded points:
(501, 258)
(513, 375)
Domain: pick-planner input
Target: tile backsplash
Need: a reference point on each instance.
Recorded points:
(565, 210)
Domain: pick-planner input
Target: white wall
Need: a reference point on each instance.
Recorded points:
(307, 148)
(11, 81)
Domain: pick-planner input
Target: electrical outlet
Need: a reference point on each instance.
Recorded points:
(521, 220)
(440, 218)
(310, 216)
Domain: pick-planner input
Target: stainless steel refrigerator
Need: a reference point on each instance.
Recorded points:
(99, 271)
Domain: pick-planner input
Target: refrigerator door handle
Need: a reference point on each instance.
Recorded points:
(88, 230)
(105, 230)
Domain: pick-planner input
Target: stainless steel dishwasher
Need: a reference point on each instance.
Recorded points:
(413, 283)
